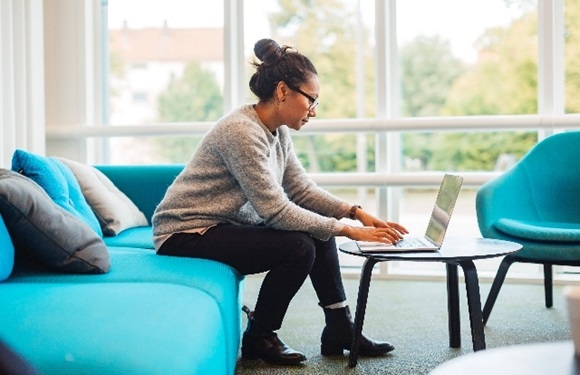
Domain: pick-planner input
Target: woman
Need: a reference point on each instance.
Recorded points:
(245, 200)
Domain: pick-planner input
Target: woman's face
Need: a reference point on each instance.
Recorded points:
(301, 103)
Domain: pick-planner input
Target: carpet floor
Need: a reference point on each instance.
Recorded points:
(412, 315)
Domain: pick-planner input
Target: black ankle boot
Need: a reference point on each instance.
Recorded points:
(258, 342)
(337, 336)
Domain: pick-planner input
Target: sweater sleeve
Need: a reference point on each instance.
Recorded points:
(250, 162)
(304, 192)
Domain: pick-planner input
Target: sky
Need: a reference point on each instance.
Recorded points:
(459, 21)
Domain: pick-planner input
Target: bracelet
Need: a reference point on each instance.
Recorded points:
(353, 211)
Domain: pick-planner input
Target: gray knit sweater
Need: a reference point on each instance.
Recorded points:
(241, 173)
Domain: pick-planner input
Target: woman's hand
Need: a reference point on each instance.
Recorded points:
(388, 234)
(375, 229)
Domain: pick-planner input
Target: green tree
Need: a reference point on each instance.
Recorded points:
(195, 96)
(502, 82)
(428, 70)
(504, 79)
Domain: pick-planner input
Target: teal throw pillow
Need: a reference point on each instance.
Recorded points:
(41, 229)
(59, 182)
(6, 252)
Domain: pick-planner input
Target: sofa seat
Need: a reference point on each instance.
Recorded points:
(158, 328)
(145, 299)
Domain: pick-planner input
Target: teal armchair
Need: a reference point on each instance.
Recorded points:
(537, 204)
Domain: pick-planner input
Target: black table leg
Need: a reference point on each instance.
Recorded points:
(453, 306)
(474, 304)
(361, 304)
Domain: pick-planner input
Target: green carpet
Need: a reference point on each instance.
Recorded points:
(412, 315)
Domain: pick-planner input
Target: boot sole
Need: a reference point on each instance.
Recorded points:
(251, 355)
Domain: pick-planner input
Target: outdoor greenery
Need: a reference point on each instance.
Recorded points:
(434, 82)
(195, 96)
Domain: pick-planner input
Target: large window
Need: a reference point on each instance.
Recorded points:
(408, 59)
(167, 65)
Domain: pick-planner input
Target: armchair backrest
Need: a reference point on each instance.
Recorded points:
(544, 185)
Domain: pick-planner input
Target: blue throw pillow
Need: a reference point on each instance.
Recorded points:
(59, 182)
(6, 252)
(45, 231)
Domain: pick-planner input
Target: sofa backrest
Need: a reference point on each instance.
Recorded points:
(145, 185)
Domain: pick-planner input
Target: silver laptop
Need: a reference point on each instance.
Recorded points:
(436, 229)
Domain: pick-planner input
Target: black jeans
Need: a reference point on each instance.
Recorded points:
(289, 257)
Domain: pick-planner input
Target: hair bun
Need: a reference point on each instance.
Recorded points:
(267, 50)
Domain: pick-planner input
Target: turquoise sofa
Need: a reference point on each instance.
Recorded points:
(149, 314)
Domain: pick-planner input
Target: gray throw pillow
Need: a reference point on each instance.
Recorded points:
(41, 228)
(114, 210)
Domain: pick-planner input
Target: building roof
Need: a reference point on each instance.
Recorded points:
(167, 44)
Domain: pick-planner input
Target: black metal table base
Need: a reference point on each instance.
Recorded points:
(473, 303)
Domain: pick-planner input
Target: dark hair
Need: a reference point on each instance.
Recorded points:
(278, 64)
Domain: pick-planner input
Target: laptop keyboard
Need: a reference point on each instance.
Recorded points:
(410, 242)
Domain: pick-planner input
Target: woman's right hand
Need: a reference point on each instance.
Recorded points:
(388, 234)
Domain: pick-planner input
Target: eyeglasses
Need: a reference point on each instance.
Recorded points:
(313, 102)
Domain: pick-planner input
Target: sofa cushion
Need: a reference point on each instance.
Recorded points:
(59, 182)
(114, 210)
(6, 252)
(40, 228)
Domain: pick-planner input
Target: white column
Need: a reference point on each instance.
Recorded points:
(21, 78)
(551, 64)
(73, 72)
(234, 61)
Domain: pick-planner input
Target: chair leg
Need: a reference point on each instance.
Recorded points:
(548, 279)
(496, 286)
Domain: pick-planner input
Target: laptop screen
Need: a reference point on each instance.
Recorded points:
(446, 198)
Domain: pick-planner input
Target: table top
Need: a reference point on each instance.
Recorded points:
(553, 358)
(453, 249)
